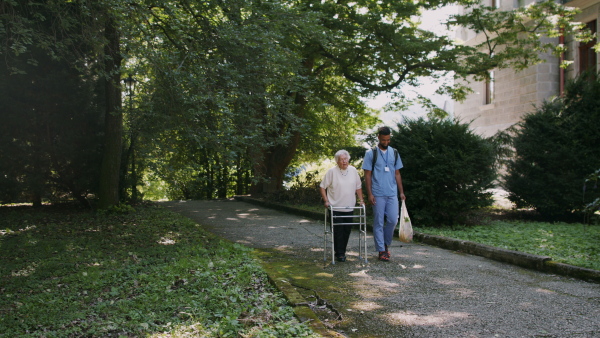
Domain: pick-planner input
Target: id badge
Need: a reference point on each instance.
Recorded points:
(387, 169)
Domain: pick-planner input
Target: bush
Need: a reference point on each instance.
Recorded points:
(447, 170)
(591, 209)
(303, 182)
(556, 149)
(304, 190)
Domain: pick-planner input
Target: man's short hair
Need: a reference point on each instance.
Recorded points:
(384, 131)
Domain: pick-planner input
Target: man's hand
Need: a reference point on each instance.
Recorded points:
(372, 199)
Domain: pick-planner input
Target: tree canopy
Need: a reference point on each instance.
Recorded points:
(231, 93)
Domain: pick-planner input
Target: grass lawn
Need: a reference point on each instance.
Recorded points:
(148, 272)
(575, 244)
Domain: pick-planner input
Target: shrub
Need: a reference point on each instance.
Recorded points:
(556, 149)
(304, 190)
(591, 209)
(447, 170)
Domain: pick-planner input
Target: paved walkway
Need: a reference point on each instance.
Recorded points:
(423, 292)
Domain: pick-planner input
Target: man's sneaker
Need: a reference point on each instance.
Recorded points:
(340, 258)
(383, 256)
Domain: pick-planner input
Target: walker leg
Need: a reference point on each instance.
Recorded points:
(360, 238)
(325, 237)
(363, 233)
(332, 241)
(328, 228)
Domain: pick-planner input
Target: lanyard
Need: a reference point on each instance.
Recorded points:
(386, 156)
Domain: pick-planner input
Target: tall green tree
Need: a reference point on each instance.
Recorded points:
(258, 82)
(108, 192)
(220, 77)
(368, 47)
(84, 34)
(51, 130)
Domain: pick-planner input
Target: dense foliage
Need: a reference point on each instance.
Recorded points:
(447, 169)
(556, 150)
(49, 151)
(592, 208)
(304, 183)
(232, 93)
(51, 130)
(131, 273)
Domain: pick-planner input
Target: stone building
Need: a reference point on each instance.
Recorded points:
(501, 102)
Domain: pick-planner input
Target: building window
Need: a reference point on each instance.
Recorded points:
(587, 54)
(489, 89)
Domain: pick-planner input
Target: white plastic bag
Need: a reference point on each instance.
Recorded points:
(405, 231)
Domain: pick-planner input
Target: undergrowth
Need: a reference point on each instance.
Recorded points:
(146, 272)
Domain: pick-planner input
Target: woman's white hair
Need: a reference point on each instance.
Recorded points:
(341, 153)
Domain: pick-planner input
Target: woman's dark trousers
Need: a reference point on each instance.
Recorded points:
(341, 232)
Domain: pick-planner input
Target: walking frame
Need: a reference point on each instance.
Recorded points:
(329, 228)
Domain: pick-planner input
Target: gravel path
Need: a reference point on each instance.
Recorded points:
(424, 291)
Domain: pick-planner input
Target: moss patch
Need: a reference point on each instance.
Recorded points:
(318, 287)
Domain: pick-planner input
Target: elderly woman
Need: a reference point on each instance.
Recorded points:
(339, 188)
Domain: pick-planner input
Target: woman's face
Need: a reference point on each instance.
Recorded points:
(342, 162)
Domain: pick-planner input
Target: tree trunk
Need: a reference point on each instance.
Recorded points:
(270, 169)
(241, 180)
(113, 127)
(134, 176)
(270, 165)
(223, 181)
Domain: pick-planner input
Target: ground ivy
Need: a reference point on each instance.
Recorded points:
(143, 272)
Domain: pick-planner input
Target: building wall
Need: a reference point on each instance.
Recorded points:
(518, 93)
(589, 11)
(515, 94)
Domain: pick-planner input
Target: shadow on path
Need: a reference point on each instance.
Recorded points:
(424, 291)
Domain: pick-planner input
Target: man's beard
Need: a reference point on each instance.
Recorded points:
(382, 146)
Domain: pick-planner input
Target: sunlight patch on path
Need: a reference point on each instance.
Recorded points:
(439, 319)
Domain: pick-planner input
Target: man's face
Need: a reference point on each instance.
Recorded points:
(384, 141)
